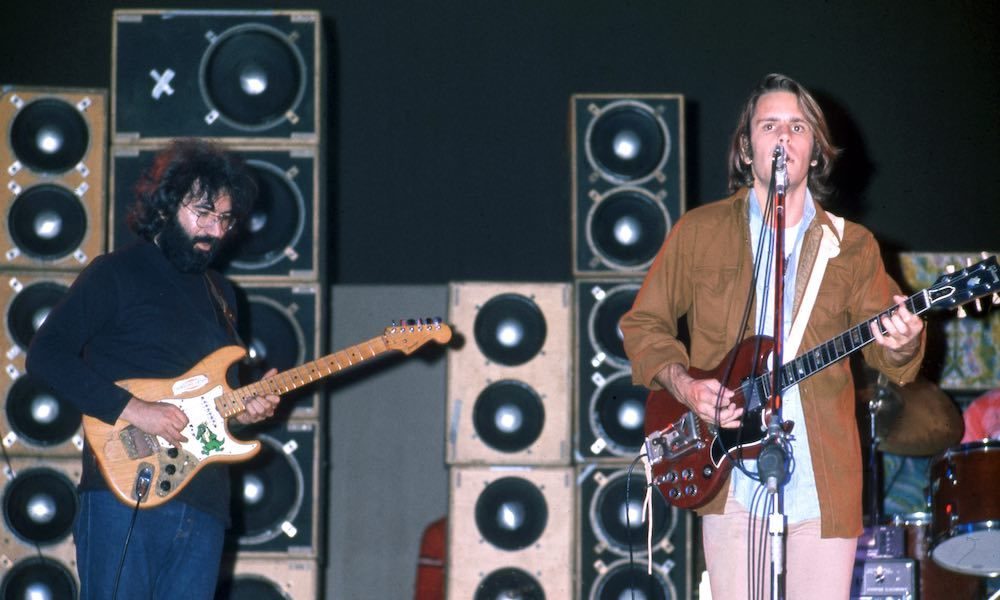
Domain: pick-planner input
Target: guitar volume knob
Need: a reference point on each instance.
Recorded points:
(691, 490)
(687, 474)
(674, 493)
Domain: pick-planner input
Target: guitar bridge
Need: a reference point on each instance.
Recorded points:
(137, 443)
(674, 440)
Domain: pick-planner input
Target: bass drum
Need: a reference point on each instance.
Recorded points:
(965, 509)
(934, 582)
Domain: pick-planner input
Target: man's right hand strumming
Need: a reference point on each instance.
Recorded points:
(701, 396)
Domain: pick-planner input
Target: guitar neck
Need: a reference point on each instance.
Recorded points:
(814, 360)
(234, 402)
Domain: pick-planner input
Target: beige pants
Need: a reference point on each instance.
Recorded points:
(815, 568)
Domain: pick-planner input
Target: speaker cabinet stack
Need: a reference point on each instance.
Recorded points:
(252, 81)
(509, 441)
(627, 180)
(53, 156)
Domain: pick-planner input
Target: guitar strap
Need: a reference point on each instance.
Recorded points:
(829, 247)
(221, 306)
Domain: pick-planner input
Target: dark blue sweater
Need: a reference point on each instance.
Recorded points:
(131, 314)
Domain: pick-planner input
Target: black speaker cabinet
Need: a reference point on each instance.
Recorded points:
(230, 75)
(610, 410)
(611, 526)
(509, 381)
(283, 237)
(276, 499)
(282, 325)
(53, 156)
(510, 533)
(627, 179)
(37, 556)
(245, 577)
(27, 297)
(34, 420)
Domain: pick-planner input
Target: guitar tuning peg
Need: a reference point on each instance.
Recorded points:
(961, 312)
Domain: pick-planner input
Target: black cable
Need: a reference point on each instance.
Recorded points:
(128, 538)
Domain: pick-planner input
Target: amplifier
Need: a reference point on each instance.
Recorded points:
(884, 579)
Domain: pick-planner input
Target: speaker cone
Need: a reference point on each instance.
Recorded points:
(38, 577)
(248, 586)
(617, 520)
(511, 513)
(38, 416)
(39, 505)
(274, 338)
(49, 136)
(626, 228)
(510, 329)
(618, 412)
(276, 222)
(30, 307)
(253, 76)
(624, 581)
(627, 142)
(605, 335)
(47, 222)
(268, 492)
(508, 416)
(509, 584)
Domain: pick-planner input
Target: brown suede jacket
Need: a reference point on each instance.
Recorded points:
(703, 272)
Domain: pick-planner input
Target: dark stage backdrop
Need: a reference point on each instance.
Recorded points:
(447, 131)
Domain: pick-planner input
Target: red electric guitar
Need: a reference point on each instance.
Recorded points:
(690, 458)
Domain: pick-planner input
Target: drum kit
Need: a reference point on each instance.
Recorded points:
(956, 541)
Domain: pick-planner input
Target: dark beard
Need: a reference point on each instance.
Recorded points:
(179, 248)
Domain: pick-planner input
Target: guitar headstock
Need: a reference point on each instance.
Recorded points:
(410, 334)
(956, 288)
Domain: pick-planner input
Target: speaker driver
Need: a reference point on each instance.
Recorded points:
(510, 329)
(623, 580)
(605, 335)
(508, 416)
(38, 416)
(276, 222)
(47, 222)
(618, 412)
(618, 521)
(511, 513)
(626, 228)
(268, 492)
(252, 77)
(49, 136)
(248, 586)
(39, 506)
(509, 583)
(30, 307)
(627, 142)
(38, 577)
(274, 338)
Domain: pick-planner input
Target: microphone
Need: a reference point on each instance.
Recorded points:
(780, 170)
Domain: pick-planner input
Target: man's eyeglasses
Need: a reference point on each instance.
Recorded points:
(206, 218)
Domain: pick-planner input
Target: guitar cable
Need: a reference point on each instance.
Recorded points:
(142, 483)
(628, 529)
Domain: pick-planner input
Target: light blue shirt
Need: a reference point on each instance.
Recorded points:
(800, 500)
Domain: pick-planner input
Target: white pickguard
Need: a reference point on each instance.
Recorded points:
(206, 427)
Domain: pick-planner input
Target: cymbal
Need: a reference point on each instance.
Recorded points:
(916, 419)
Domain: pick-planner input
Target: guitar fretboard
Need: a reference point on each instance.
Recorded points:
(234, 402)
(810, 362)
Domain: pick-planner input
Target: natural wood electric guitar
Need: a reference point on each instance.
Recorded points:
(131, 459)
(690, 458)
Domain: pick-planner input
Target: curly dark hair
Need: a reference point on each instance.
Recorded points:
(189, 166)
(824, 152)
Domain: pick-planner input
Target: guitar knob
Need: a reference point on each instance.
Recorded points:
(707, 472)
(671, 476)
(165, 486)
(687, 474)
(674, 493)
(691, 490)
(172, 452)
(170, 469)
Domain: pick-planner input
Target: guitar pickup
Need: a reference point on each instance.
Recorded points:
(675, 440)
(137, 443)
